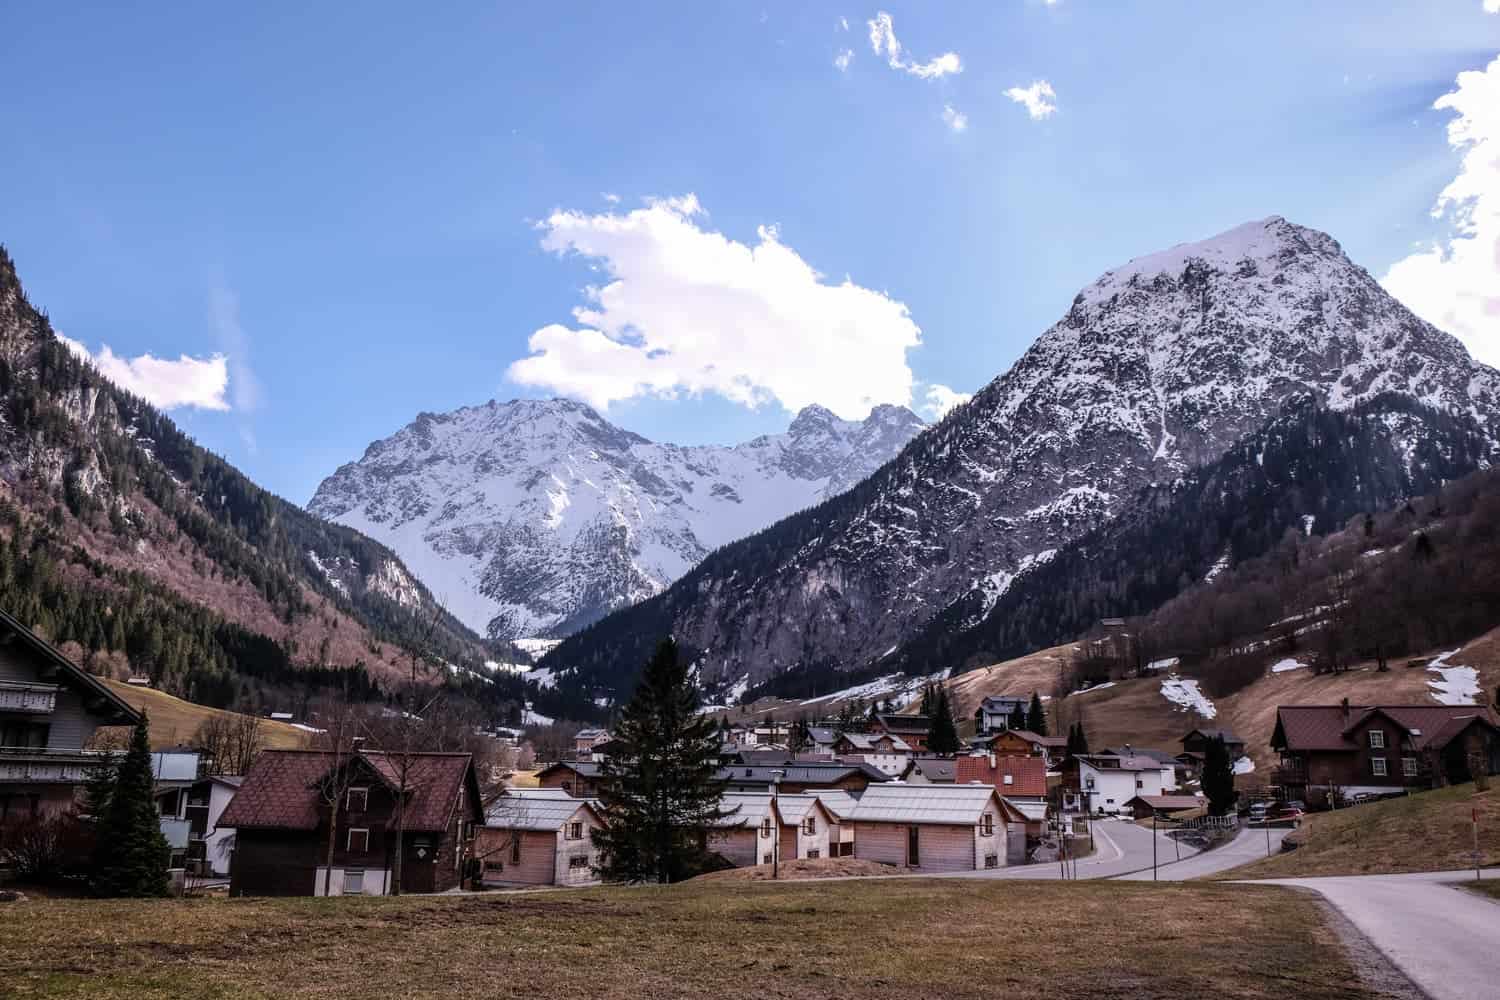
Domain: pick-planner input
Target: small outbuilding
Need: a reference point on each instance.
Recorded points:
(537, 840)
(938, 828)
(805, 827)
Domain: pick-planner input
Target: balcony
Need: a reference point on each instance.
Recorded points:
(33, 699)
(44, 766)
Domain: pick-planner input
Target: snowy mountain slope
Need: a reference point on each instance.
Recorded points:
(537, 517)
(1158, 367)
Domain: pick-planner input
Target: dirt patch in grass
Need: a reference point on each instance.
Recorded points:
(792, 871)
(1489, 887)
(1427, 832)
(852, 939)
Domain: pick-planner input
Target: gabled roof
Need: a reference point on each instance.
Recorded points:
(939, 769)
(822, 735)
(1160, 756)
(583, 768)
(915, 725)
(1170, 803)
(794, 808)
(1132, 763)
(868, 741)
(1037, 738)
(1209, 734)
(525, 812)
(748, 809)
(98, 698)
(1303, 728)
(280, 792)
(1001, 700)
(960, 805)
(811, 772)
(1019, 776)
(837, 801)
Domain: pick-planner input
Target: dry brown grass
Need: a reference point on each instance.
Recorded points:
(802, 868)
(855, 939)
(1430, 832)
(174, 721)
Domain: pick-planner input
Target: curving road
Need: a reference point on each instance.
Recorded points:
(1446, 939)
(1250, 845)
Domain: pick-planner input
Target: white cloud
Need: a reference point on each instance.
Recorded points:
(1492, 6)
(194, 382)
(883, 41)
(610, 197)
(843, 59)
(688, 310)
(939, 399)
(844, 21)
(1038, 99)
(956, 120)
(1455, 283)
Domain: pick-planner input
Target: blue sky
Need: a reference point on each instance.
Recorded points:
(340, 218)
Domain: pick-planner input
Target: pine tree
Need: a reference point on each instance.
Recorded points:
(131, 856)
(798, 737)
(943, 736)
(658, 793)
(1218, 778)
(1036, 716)
(928, 702)
(1017, 717)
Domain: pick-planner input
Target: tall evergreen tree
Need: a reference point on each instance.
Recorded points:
(943, 737)
(1218, 778)
(658, 793)
(1017, 717)
(131, 856)
(798, 737)
(1036, 716)
(929, 703)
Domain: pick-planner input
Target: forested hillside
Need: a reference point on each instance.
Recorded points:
(140, 551)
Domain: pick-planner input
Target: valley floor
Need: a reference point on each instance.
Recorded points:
(878, 938)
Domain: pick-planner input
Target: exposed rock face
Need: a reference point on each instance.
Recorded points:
(1158, 367)
(538, 517)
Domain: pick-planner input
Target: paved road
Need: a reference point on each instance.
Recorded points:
(1444, 938)
(1122, 847)
(1249, 846)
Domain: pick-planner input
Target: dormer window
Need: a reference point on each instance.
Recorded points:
(358, 800)
(1377, 739)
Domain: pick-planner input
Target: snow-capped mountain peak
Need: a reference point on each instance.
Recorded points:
(536, 517)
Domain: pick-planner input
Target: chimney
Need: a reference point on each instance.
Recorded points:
(1127, 750)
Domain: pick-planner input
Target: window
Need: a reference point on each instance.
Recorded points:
(1010, 779)
(766, 859)
(1377, 739)
(1139, 783)
(578, 861)
(358, 800)
(987, 825)
(1409, 766)
(575, 831)
(992, 861)
(27, 735)
(1377, 767)
(359, 841)
(515, 849)
(354, 881)
(765, 827)
(810, 825)
(814, 854)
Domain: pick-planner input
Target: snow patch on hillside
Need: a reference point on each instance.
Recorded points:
(898, 687)
(1282, 666)
(1458, 685)
(1184, 693)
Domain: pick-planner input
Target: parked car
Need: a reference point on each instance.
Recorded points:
(1258, 812)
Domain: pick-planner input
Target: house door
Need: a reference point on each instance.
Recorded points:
(913, 853)
(417, 869)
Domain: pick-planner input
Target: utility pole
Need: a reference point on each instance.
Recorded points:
(1474, 823)
(775, 827)
(1153, 845)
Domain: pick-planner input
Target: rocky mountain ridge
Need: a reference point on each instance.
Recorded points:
(537, 517)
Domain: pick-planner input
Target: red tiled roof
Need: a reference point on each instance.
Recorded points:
(1028, 774)
(1326, 727)
(280, 791)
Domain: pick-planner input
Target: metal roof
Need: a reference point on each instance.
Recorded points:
(838, 802)
(540, 793)
(901, 803)
(794, 808)
(532, 812)
(753, 809)
(867, 741)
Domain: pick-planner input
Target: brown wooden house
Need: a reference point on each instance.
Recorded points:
(532, 839)
(579, 779)
(913, 729)
(281, 824)
(1381, 749)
